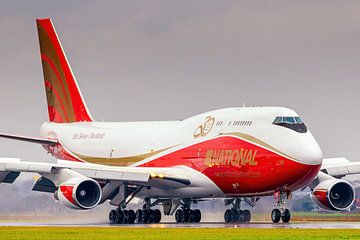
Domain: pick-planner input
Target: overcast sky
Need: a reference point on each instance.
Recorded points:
(168, 60)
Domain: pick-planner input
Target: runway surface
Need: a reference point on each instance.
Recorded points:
(299, 225)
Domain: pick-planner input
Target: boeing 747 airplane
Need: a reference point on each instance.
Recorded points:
(238, 154)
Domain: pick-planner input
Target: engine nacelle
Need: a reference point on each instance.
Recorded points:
(79, 193)
(334, 194)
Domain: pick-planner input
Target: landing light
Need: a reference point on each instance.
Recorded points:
(155, 175)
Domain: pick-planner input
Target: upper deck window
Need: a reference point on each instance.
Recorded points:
(293, 123)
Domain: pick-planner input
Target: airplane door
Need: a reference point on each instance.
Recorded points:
(226, 123)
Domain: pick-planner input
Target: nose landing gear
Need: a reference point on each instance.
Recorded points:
(281, 212)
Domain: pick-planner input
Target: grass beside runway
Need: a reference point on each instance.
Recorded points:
(102, 233)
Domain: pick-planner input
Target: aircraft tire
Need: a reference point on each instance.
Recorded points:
(275, 215)
(227, 216)
(157, 216)
(197, 216)
(138, 217)
(113, 217)
(121, 217)
(186, 215)
(234, 215)
(179, 216)
(247, 216)
(131, 216)
(285, 217)
(241, 216)
(146, 216)
(126, 216)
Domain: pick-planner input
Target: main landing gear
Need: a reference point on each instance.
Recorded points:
(235, 214)
(146, 216)
(143, 216)
(122, 216)
(186, 214)
(281, 213)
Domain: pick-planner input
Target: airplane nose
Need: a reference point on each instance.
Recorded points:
(310, 152)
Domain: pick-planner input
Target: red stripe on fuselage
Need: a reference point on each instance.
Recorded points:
(258, 170)
(59, 152)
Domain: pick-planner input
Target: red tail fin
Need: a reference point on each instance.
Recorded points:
(65, 102)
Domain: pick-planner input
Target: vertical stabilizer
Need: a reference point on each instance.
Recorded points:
(64, 99)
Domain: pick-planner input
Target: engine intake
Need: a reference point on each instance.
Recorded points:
(334, 194)
(83, 193)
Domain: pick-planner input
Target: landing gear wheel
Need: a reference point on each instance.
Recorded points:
(197, 215)
(191, 216)
(146, 216)
(285, 217)
(186, 215)
(227, 216)
(157, 216)
(234, 215)
(179, 216)
(138, 217)
(241, 216)
(131, 216)
(126, 216)
(113, 217)
(275, 215)
(247, 216)
(151, 219)
(121, 217)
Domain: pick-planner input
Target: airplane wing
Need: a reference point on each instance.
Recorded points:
(170, 177)
(340, 167)
(38, 140)
(118, 184)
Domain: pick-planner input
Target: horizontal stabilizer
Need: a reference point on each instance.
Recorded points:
(42, 141)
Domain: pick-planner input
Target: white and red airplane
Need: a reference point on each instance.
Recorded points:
(239, 154)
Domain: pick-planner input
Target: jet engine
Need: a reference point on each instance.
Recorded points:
(334, 194)
(79, 193)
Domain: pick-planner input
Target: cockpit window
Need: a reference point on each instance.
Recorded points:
(293, 123)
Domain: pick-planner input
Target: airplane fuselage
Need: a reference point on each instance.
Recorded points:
(237, 151)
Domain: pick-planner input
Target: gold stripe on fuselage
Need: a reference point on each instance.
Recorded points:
(126, 161)
(257, 141)
(123, 161)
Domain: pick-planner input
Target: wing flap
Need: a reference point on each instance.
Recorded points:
(8, 177)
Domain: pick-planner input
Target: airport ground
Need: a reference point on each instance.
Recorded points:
(307, 225)
(79, 233)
